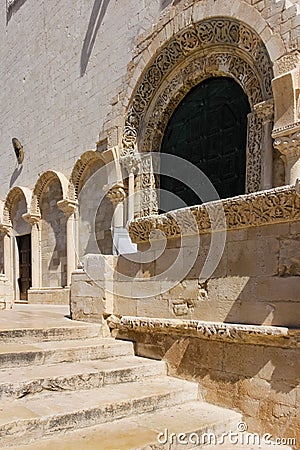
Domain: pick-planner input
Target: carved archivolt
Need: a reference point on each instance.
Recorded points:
(12, 197)
(45, 179)
(85, 160)
(224, 47)
(262, 208)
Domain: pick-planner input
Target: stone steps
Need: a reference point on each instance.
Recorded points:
(45, 414)
(140, 432)
(30, 335)
(66, 387)
(38, 353)
(73, 376)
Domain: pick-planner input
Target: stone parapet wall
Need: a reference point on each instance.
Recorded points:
(55, 296)
(258, 378)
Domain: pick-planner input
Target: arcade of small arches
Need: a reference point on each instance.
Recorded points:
(40, 245)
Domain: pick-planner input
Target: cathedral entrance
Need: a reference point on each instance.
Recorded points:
(209, 129)
(24, 279)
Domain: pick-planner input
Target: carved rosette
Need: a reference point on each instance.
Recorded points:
(117, 194)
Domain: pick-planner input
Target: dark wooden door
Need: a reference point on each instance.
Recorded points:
(209, 129)
(24, 280)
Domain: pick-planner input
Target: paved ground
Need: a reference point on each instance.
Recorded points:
(35, 316)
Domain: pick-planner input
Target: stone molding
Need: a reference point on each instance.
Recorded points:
(251, 210)
(197, 328)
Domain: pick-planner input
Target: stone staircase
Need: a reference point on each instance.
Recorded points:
(66, 388)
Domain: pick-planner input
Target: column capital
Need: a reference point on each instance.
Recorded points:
(265, 111)
(5, 229)
(31, 218)
(117, 194)
(67, 206)
(131, 163)
(289, 145)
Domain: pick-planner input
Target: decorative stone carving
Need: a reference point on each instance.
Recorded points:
(117, 194)
(207, 37)
(254, 150)
(209, 330)
(131, 163)
(257, 209)
(195, 70)
(288, 62)
(265, 111)
(290, 144)
(81, 164)
(67, 206)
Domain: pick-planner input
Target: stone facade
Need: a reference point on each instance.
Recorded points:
(91, 113)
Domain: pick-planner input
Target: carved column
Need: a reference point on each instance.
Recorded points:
(147, 186)
(131, 164)
(68, 207)
(289, 147)
(36, 262)
(265, 113)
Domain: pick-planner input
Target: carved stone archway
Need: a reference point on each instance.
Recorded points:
(213, 47)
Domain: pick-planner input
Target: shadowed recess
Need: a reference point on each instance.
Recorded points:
(97, 16)
(12, 6)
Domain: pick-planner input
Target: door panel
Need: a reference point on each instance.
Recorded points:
(24, 280)
(209, 129)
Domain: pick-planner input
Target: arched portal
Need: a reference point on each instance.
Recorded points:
(209, 129)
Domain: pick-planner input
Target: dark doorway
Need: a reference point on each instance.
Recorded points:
(24, 280)
(209, 129)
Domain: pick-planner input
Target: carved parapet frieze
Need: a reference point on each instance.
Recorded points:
(117, 194)
(250, 210)
(200, 329)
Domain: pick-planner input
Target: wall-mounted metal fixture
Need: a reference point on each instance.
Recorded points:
(18, 148)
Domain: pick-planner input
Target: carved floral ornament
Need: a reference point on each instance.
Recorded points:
(263, 208)
(196, 328)
(219, 46)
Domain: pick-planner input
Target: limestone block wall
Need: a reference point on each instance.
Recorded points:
(257, 280)
(96, 212)
(61, 81)
(19, 225)
(1, 255)
(260, 378)
(53, 238)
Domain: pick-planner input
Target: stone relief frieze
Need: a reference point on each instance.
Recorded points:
(198, 328)
(263, 208)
